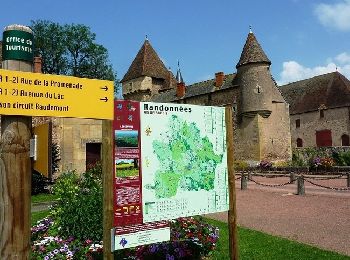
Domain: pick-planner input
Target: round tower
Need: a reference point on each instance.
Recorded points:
(263, 130)
(258, 89)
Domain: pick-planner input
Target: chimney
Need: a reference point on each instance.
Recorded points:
(180, 89)
(37, 65)
(219, 79)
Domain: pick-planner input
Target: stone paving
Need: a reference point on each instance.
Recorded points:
(320, 218)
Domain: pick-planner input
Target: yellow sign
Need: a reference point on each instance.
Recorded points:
(36, 94)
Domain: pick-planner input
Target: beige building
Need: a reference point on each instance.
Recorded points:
(319, 110)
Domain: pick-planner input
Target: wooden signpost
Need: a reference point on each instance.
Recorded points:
(24, 94)
(15, 164)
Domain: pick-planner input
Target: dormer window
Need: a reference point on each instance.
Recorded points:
(321, 113)
(322, 108)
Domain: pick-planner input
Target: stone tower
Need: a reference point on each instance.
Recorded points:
(263, 115)
(146, 76)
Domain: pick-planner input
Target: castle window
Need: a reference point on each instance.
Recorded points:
(321, 113)
(299, 142)
(345, 140)
(297, 123)
(258, 89)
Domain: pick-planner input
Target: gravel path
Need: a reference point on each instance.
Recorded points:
(320, 218)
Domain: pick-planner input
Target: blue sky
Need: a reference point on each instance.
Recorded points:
(302, 38)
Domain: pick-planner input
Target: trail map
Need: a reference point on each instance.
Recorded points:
(184, 160)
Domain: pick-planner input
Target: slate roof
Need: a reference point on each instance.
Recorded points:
(147, 63)
(331, 90)
(252, 52)
(196, 89)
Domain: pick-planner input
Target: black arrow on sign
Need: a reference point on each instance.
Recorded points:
(105, 88)
(105, 99)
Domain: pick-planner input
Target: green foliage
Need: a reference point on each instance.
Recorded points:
(39, 183)
(70, 49)
(240, 165)
(78, 211)
(341, 158)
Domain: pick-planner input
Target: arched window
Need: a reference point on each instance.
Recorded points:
(345, 140)
(299, 142)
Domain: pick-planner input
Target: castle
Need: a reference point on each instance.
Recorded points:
(261, 115)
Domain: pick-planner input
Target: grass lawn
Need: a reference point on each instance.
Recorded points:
(43, 198)
(38, 215)
(255, 245)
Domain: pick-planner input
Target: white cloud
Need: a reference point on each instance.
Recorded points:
(343, 58)
(336, 16)
(294, 71)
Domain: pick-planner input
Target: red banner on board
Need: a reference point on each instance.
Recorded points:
(127, 192)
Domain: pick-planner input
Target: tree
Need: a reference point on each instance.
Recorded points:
(70, 49)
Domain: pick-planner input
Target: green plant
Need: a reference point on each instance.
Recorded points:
(78, 210)
(297, 159)
(341, 158)
(240, 165)
(39, 183)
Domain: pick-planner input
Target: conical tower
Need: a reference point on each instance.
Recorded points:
(146, 76)
(263, 113)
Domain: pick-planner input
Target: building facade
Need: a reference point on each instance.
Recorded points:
(319, 110)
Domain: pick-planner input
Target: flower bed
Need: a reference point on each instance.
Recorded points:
(191, 238)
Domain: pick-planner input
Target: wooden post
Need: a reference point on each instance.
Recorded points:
(107, 171)
(15, 174)
(232, 215)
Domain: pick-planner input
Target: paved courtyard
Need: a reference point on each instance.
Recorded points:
(320, 217)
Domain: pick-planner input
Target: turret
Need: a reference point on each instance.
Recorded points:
(258, 89)
(146, 76)
(263, 128)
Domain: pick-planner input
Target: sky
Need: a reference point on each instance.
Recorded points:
(302, 38)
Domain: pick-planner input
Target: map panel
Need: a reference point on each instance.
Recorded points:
(184, 160)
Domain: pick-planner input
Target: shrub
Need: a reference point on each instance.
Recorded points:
(240, 165)
(78, 210)
(39, 183)
(341, 158)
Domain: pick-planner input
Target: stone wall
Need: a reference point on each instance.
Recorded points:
(75, 134)
(140, 89)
